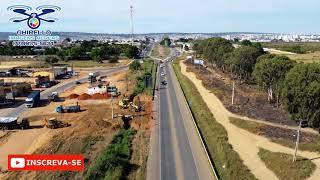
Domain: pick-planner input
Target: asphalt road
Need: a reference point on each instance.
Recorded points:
(176, 149)
(18, 111)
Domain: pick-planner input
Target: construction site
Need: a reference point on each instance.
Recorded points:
(83, 119)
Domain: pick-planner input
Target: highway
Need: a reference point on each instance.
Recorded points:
(176, 148)
(18, 111)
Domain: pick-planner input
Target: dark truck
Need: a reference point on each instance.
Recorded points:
(9, 123)
(32, 99)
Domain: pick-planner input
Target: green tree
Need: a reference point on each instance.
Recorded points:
(242, 61)
(62, 55)
(270, 72)
(96, 54)
(51, 60)
(132, 52)
(166, 41)
(215, 49)
(246, 43)
(134, 66)
(301, 93)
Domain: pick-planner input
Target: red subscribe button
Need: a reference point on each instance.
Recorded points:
(45, 163)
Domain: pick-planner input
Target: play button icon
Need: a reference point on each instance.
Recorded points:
(17, 162)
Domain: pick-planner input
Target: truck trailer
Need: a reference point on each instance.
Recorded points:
(9, 123)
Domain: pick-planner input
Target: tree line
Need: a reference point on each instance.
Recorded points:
(296, 86)
(85, 50)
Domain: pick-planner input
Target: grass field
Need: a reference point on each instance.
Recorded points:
(160, 52)
(309, 52)
(303, 47)
(226, 161)
(281, 164)
(20, 63)
(74, 63)
(308, 142)
(306, 58)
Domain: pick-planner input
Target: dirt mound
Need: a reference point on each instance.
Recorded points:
(97, 96)
(84, 96)
(73, 96)
(107, 96)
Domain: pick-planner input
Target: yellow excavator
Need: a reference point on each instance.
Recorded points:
(53, 123)
(125, 104)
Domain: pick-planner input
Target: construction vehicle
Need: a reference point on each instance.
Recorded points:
(53, 123)
(113, 91)
(68, 109)
(33, 99)
(53, 97)
(125, 104)
(9, 123)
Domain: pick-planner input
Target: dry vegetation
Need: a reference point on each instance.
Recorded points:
(283, 136)
(281, 164)
(249, 100)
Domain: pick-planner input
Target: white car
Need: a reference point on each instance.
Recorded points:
(163, 74)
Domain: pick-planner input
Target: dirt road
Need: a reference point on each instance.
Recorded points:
(245, 143)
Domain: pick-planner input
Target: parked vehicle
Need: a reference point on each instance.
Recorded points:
(45, 85)
(9, 123)
(6, 102)
(68, 109)
(33, 99)
(113, 91)
(53, 97)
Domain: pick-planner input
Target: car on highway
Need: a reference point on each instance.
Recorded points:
(164, 82)
(163, 74)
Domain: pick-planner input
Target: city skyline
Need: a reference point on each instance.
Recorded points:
(179, 16)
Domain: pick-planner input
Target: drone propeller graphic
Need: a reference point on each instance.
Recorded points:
(33, 19)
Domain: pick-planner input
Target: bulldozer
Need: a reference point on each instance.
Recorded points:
(53, 123)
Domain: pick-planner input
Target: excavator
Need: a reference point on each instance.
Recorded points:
(53, 123)
(125, 104)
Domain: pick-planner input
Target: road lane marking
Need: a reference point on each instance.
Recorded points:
(179, 164)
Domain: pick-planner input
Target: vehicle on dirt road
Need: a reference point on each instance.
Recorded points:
(53, 123)
(68, 109)
(53, 97)
(33, 99)
(10, 123)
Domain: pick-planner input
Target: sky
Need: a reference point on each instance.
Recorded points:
(159, 16)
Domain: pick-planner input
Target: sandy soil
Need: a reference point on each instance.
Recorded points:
(90, 132)
(245, 143)
(12, 64)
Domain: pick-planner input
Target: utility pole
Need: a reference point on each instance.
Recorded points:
(112, 107)
(297, 143)
(131, 22)
(233, 88)
(127, 82)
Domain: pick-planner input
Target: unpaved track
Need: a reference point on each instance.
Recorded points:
(245, 143)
